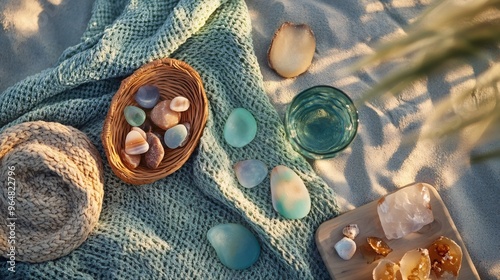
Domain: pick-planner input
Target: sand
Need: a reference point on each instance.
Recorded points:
(35, 33)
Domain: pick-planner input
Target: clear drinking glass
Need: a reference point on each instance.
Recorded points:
(321, 121)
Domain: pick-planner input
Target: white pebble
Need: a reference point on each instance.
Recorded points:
(179, 104)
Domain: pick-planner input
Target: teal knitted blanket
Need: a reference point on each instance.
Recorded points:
(158, 231)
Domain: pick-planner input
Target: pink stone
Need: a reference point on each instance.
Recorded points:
(131, 161)
(405, 211)
(164, 117)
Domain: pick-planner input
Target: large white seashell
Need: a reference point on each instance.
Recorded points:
(292, 49)
(351, 231)
(385, 270)
(346, 248)
(416, 263)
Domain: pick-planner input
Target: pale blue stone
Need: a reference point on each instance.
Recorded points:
(250, 172)
(135, 116)
(147, 96)
(175, 136)
(290, 196)
(240, 128)
(235, 245)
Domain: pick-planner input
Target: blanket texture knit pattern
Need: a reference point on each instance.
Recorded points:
(158, 231)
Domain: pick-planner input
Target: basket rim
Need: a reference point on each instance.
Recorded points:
(138, 177)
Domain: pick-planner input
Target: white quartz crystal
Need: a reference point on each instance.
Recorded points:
(405, 211)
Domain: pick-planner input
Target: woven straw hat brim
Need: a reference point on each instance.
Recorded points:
(173, 78)
(58, 189)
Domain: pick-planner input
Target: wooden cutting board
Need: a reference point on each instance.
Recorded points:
(368, 222)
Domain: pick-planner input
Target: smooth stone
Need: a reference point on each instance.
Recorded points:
(250, 172)
(163, 117)
(131, 161)
(240, 128)
(147, 126)
(179, 104)
(235, 245)
(188, 128)
(175, 136)
(135, 144)
(143, 134)
(345, 248)
(147, 96)
(290, 196)
(154, 155)
(161, 135)
(135, 116)
(404, 211)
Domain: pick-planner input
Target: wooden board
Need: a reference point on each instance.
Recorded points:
(368, 222)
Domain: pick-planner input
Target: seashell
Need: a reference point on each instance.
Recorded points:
(147, 96)
(240, 128)
(385, 270)
(415, 264)
(446, 258)
(131, 161)
(179, 104)
(290, 196)
(351, 231)
(292, 49)
(154, 155)
(235, 245)
(135, 128)
(346, 248)
(163, 117)
(135, 144)
(250, 172)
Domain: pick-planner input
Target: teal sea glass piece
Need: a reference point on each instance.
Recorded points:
(235, 245)
(250, 172)
(290, 196)
(175, 136)
(240, 128)
(147, 96)
(135, 116)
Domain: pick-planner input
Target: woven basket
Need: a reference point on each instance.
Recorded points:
(173, 78)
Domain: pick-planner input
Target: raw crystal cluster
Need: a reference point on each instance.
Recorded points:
(235, 245)
(405, 211)
(148, 137)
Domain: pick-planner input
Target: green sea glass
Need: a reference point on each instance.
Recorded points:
(235, 245)
(135, 116)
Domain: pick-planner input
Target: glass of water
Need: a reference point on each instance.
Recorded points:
(321, 121)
